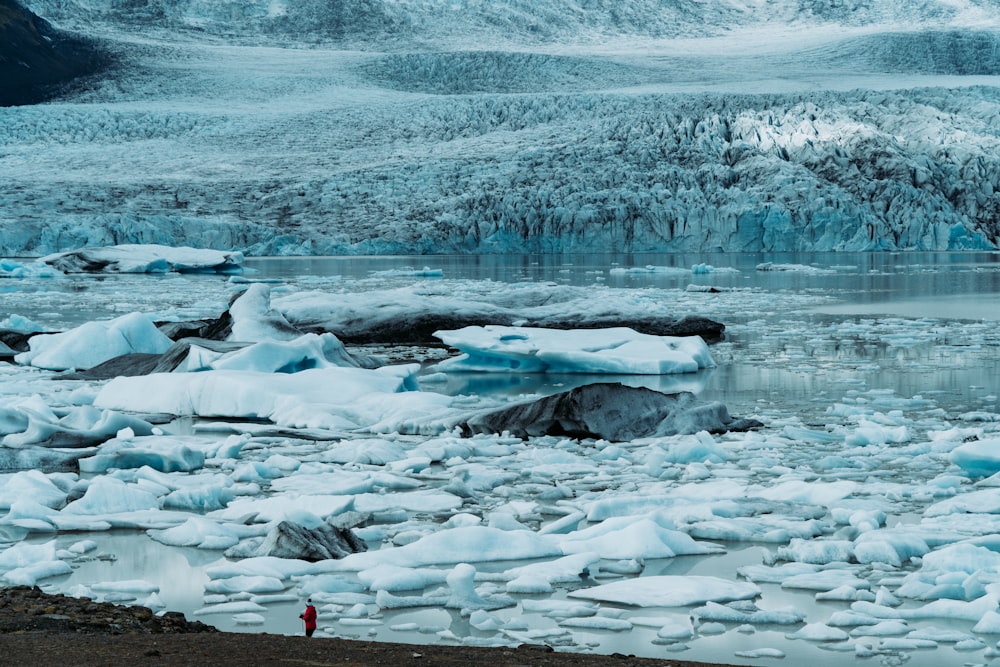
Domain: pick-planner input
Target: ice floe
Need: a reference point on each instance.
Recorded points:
(536, 350)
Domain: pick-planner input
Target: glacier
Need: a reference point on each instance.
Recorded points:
(387, 127)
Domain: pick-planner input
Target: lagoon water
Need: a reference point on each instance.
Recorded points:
(803, 332)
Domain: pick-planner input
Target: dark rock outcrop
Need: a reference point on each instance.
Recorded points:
(140, 363)
(36, 59)
(24, 609)
(126, 365)
(610, 411)
(16, 340)
(178, 352)
(331, 540)
(217, 329)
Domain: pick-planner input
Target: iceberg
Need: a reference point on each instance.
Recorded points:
(94, 343)
(145, 258)
(669, 591)
(619, 350)
(334, 398)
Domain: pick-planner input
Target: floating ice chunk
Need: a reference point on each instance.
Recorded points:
(74, 427)
(366, 452)
(93, 343)
(277, 508)
(759, 653)
(206, 534)
(534, 350)
(470, 544)
(989, 624)
(978, 458)
(672, 630)
(983, 501)
(245, 584)
(713, 611)
(153, 601)
(628, 537)
(698, 448)
(126, 586)
(23, 553)
(882, 629)
(301, 353)
(817, 552)
(963, 557)
(597, 623)
(811, 493)
(894, 546)
(649, 268)
(237, 607)
(107, 495)
(429, 500)
(484, 621)
(29, 515)
(426, 272)
(940, 635)
(775, 575)
(268, 566)
(464, 594)
(394, 578)
(669, 591)
(255, 321)
(818, 632)
(359, 622)
(826, 580)
(30, 484)
(872, 433)
(145, 258)
(906, 644)
(632, 505)
(799, 268)
(946, 609)
(13, 420)
(156, 452)
(333, 398)
(30, 575)
(846, 593)
(11, 269)
(82, 547)
(554, 608)
(20, 323)
(542, 575)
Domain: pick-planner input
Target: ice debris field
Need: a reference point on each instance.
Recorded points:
(849, 526)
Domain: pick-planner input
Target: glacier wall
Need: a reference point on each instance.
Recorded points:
(214, 133)
(915, 169)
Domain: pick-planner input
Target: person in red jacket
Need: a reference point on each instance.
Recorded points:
(309, 616)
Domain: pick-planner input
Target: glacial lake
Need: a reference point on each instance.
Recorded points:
(803, 332)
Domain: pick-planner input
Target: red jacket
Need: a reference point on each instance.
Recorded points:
(309, 616)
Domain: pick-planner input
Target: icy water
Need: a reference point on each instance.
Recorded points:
(814, 325)
(803, 332)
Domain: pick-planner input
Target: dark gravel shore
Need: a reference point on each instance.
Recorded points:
(41, 629)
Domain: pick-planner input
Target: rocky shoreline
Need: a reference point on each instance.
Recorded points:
(38, 628)
(26, 609)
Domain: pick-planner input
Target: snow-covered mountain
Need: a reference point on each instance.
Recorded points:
(434, 126)
(35, 58)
